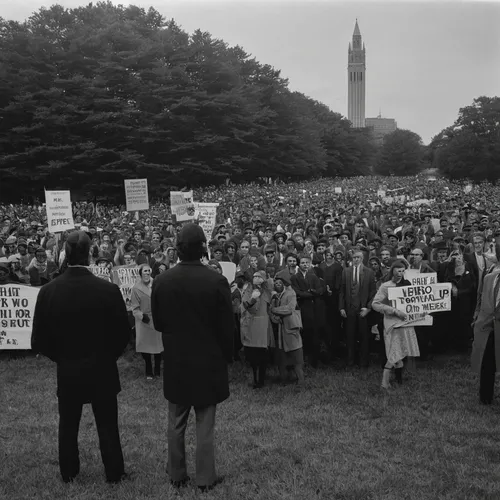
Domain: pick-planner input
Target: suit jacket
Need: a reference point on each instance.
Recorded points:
(470, 259)
(81, 323)
(367, 288)
(309, 301)
(191, 306)
(487, 322)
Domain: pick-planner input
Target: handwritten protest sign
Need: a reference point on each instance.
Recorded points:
(17, 306)
(415, 277)
(125, 277)
(421, 299)
(136, 194)
(59, 211)
(181, 205)
(206, 213)
(101, 272)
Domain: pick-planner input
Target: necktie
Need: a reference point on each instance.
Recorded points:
(355, 275)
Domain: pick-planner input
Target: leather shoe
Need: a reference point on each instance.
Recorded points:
(180, 484)
(124, 477)
(204, 489)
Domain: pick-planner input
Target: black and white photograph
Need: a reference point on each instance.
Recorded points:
(249, 250)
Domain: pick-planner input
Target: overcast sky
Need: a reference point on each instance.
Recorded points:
(424, 60)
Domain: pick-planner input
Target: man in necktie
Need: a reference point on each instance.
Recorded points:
(486, 346)
(356, 294)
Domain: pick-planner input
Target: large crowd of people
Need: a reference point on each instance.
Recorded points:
(313, 262)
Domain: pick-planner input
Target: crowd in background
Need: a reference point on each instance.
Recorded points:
(291, 244)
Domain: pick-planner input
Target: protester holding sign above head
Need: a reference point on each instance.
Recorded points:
(85, 357)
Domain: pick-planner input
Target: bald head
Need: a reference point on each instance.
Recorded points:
(77, 248)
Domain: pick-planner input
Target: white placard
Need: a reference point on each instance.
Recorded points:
(182, 205)
(228, 270)
(59, 211)
(419, 301)
(17, 307)
(338, 190)
(206, 213)
(136, 194)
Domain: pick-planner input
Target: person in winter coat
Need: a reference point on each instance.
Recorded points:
(256, 332)
(148, 341)
(286, 322)
(400, 341)
(191, 306)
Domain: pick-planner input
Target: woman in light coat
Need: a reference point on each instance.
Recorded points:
(400, 341)
(148, 340)
(286, 322)
(256, 331)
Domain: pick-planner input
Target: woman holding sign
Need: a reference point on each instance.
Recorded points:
(400, 340)
(148, 340)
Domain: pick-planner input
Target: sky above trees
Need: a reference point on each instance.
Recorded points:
(425, 60)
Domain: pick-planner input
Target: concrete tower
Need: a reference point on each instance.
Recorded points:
(356, 80)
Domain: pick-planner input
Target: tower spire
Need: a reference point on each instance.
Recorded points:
(356, 29)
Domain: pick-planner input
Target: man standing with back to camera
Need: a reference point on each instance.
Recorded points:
(191, 306)
(81, 323)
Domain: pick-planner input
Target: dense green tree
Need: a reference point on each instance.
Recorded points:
(401, 153)
(97, 94)
(470, 148)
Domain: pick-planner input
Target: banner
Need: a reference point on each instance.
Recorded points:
(59, 212)
(101, 272)
(125, 277)
(206, 213)
(419, 300)
(17, 307)
(182, 206)
(338, 190)
(136, 194)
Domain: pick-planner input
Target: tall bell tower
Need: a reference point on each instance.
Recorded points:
(356, 72)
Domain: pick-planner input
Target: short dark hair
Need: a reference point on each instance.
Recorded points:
(77, 249)
(190, 251)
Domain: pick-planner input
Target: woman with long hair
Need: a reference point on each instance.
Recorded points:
(400, 340)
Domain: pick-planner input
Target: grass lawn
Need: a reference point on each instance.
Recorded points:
(339, 437)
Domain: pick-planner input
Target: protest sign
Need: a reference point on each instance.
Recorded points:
(182, 206)
(381, 193)
(338, 190)
(125, 277)
(206, 213)
(414, 276)
(136, 194)
(101, 272)
(17, 307)
(59, 212)
(228, 270)
(421, 299)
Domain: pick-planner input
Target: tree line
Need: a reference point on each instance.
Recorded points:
(96, 94)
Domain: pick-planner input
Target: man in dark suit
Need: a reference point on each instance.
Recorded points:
(355, 300)
(191, 306)
(309, 291)
(81, 324)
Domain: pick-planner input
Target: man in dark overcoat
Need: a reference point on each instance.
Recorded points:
(191, 306)
(309, 291)
(81, 323)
